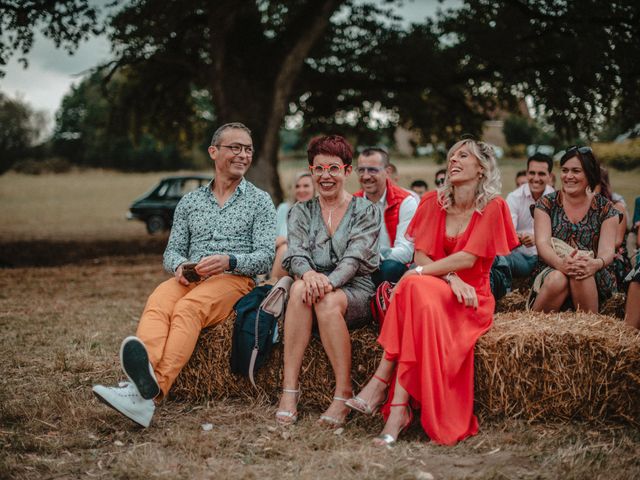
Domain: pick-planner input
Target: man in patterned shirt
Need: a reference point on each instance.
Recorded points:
(228, 229)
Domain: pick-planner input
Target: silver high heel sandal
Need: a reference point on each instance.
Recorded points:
(358, 404)
(388, 440)
(286, 417)
(333, 422)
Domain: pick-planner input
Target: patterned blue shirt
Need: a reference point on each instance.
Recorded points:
(244, 227)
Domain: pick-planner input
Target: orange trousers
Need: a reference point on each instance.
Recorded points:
(175, 314)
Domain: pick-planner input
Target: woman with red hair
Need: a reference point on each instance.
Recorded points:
(333, 249)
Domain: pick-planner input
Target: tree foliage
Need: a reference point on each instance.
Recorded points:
(88, 131)
(519, 130)
(21, 128)
(349, 66)
(66, 22)
(576, 58)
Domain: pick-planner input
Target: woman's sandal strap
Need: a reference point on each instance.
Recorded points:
(340, 399)
(288, 390)
(380, 379)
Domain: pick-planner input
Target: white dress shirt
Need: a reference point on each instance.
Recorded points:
(402, 250)
(520, 201)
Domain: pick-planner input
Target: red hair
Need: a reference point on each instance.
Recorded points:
(331, 145)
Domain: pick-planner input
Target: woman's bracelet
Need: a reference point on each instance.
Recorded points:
(447, 277)
(603, 262)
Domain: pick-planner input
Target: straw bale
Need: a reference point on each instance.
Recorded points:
(207, 375)
(532, 366)
(570, 365)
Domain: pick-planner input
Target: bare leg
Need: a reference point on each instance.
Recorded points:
(281, 248)
(297, 332)
(632, 309)
(584, 294)
(553, 293)
(337, 343)
(374, 392)
(399, 415)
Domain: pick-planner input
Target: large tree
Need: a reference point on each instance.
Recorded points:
(346, 65)
(246, 55)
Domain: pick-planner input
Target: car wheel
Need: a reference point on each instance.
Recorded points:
(155, 224)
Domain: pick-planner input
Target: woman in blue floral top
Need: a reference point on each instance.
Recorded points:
(580, 278)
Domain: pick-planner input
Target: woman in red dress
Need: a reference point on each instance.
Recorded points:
(440, 309)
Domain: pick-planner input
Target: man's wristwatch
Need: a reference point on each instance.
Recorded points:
(419, 269)
(233, 263)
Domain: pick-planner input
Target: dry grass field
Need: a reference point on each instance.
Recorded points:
(60, 331)
(92, 205)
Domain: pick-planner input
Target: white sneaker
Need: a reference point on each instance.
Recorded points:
(136, 366)
(127, 400)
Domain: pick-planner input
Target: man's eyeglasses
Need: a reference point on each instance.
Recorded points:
(334, 170)
(439, 181)
(370, 170)
(571, 151)
(236, 149)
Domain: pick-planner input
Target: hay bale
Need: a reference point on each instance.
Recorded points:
(570, 365)
(207, 375)
(614, 306)
(532, 366)
(512, 302)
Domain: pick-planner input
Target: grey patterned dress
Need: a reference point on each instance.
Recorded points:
(348, 258)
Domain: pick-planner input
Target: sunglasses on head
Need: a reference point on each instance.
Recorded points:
(571, 151)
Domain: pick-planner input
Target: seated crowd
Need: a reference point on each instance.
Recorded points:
(451, 252)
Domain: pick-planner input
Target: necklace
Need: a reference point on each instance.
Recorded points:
(338, 206)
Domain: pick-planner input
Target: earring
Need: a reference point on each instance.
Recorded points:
(589, 191)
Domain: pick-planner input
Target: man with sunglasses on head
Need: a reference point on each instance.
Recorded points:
(397, 206)
(521, 262)
(223, 236)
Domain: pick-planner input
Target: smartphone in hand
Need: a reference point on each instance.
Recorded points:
(189, 272)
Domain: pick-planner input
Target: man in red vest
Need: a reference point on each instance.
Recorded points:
(398, 207)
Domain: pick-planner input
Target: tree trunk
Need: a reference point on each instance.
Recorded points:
(259, 98)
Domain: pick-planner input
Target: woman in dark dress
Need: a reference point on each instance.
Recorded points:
(587, 223)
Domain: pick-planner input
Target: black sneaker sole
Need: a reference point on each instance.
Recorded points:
(135, 363)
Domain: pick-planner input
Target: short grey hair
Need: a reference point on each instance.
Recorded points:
(227, 126)
(370, 151)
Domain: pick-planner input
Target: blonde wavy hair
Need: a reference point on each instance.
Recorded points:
(489, 185)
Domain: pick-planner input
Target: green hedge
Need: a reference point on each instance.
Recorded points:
(623, 156)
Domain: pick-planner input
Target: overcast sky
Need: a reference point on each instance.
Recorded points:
(51, 72)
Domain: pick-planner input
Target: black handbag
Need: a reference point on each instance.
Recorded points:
(254, 329)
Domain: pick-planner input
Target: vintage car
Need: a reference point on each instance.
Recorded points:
(156, 207)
